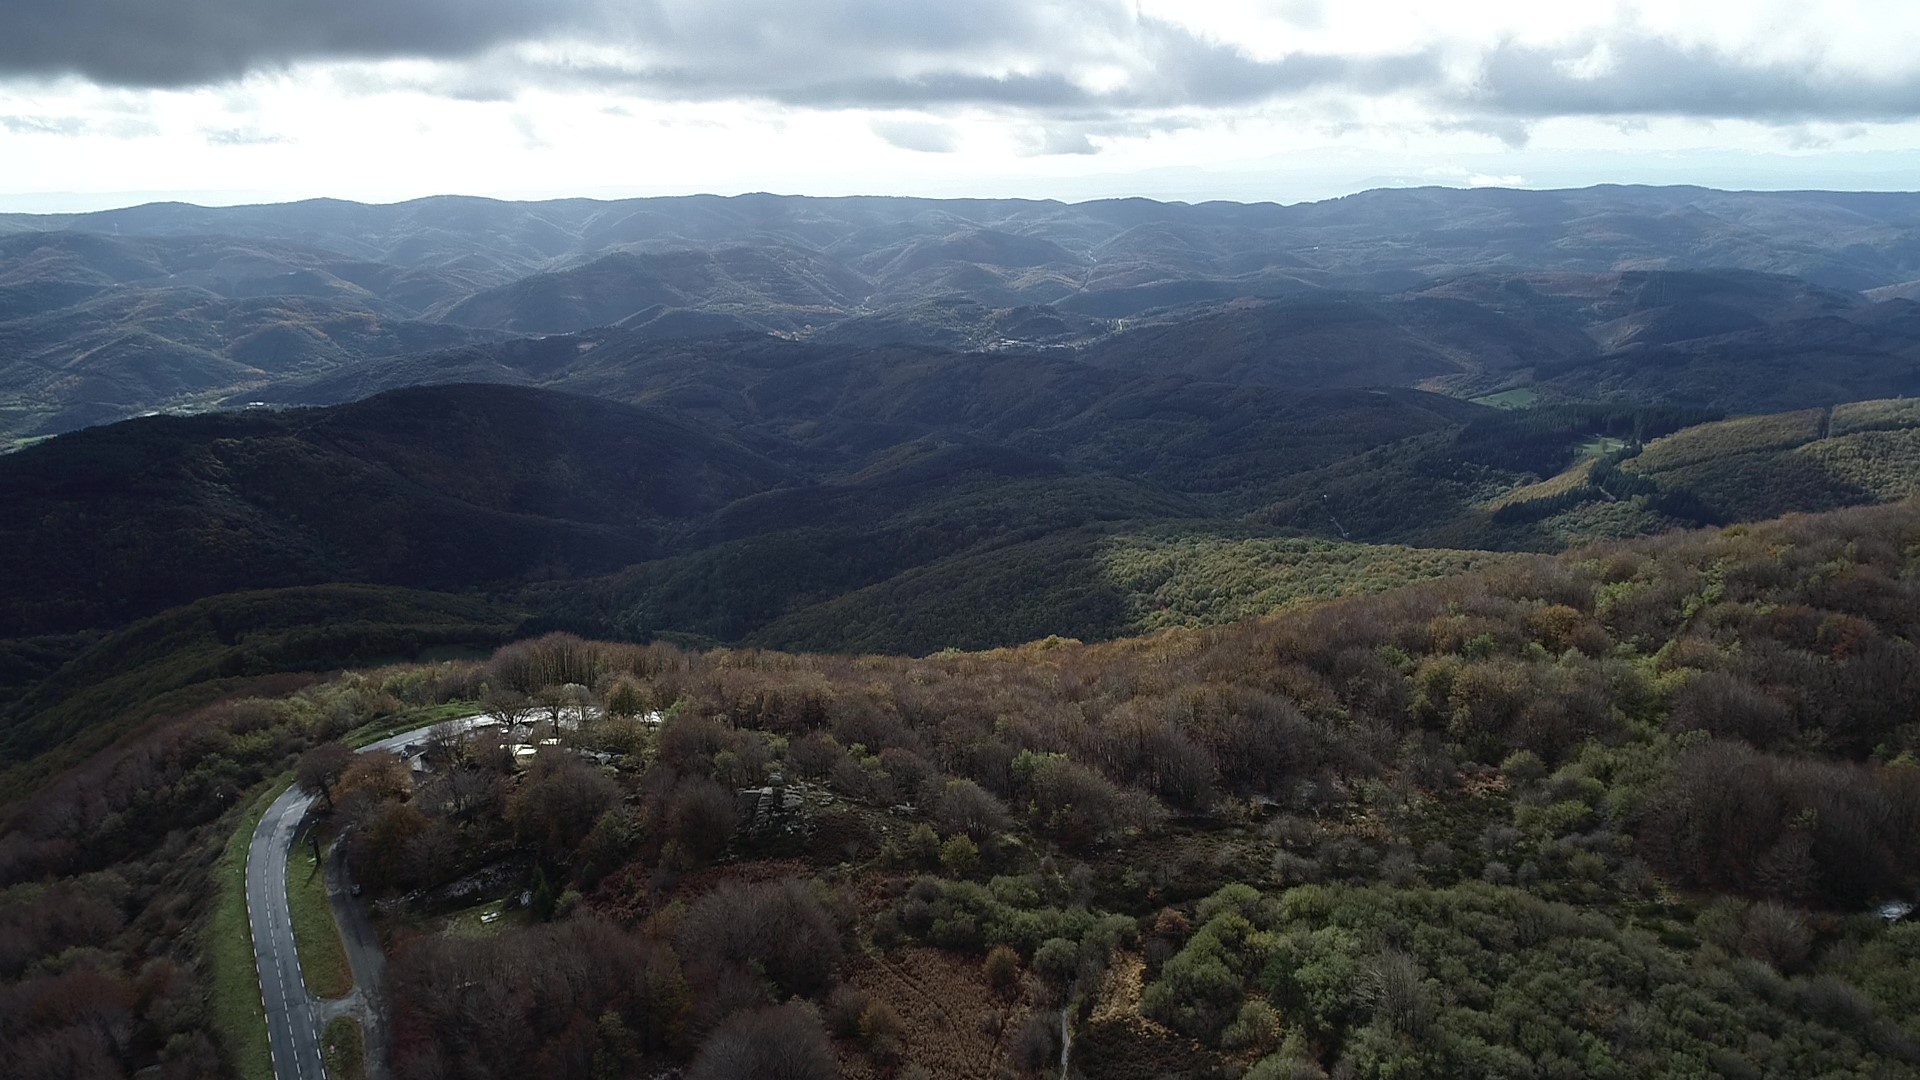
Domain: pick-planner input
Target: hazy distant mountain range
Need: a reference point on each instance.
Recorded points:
(168, 306)
(895, 424)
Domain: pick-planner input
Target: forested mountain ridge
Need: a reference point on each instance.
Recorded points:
(120, 522)
(1547, 477)
(1580, 293)
(1846, 240)
(387, 491)
(842, 515)
(1538, 819)
(758, 488)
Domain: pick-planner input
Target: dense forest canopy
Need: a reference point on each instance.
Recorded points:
(1624, 811)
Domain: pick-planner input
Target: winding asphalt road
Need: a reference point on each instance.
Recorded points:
(295, 1018)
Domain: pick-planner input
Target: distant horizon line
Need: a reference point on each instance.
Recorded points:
(250, 201)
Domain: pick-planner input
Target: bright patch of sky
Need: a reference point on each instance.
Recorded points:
(104, 102)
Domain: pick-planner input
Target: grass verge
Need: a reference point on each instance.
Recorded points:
(323, 957)
(228, 947)
(473, 922)
(227, 944)
(424, 716)
(345, 1049)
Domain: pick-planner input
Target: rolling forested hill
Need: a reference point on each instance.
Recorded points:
(850, 522)
(1648, 293)
(903, 425)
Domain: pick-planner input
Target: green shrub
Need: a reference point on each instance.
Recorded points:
(959, 856)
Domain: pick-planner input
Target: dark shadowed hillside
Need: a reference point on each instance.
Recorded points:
(1332, 340)
(92, 689)
(774, 288)
(844, 406)
(469, 485)
(440, 488)
(1821, 360)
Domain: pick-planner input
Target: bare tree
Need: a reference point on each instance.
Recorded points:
(786, 1042)
(782, 930)
(472, 791)
(701, 817)
(512, 707)
(321, 768)
(559, 802)
(556, 702)
(446, 742)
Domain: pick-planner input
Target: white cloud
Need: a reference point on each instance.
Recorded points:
(922, 136)
(912, 95)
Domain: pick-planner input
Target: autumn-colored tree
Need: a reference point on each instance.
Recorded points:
(558, 803)
(962, 806)
(785, 1041)
(320, 769)
(383, 846)
(814, 754)
(376, 776)
(700, 820)
(1002, 968)
(783, 930)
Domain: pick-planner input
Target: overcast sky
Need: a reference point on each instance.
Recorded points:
(111, 101)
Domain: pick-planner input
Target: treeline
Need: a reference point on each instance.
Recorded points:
(1745, 469)
(1794, 638)
(1431, 490)
(1542, 439)
(1607, 480)
(100, 689)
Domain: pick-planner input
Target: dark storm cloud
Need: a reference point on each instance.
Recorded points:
(940, 88)
(1184, 69)
(1166, 67)
(1015, 54)
(170, 43)
(1636, 74)
(1032, 57)
(175, 43)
